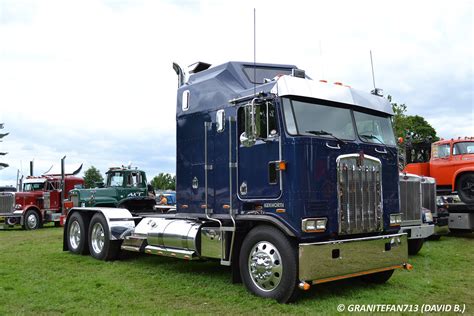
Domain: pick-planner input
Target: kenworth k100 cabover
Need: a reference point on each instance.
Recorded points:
(289, 181)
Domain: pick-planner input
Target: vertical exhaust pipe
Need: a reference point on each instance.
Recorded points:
(180, 74)
(63, 183)
(31, 168)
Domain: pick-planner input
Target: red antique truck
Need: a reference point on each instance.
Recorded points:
(452, 165)
(38, 203)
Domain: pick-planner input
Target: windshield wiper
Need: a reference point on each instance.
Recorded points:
(324, 133)
(371, 136)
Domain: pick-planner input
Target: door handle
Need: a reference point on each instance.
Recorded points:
(333, 147)
(384, 151)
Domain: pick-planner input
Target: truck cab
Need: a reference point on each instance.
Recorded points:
(38, 202)
(452, 165)
(124, 187)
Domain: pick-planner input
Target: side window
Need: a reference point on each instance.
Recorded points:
(134, 179)
(441, 151)
(265, 120)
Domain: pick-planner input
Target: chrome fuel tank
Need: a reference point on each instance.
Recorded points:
(170, 233)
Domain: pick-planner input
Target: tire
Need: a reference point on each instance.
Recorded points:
(32, 220)
(465, 187)
(100, 245)
(268, 264)
(76, 237)
(378, 278)
(434, 237)
(414, 246)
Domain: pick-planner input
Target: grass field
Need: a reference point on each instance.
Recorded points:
(37, 277)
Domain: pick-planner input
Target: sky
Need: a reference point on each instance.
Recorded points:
(93, 80)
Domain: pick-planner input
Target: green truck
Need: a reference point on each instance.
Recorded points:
(124, 188)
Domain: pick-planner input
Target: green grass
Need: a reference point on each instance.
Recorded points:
(37, 277)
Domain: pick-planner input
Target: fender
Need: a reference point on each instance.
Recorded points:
(458, 173)
(119, 220)
(268, 219)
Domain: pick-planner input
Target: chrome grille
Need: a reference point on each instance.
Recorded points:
(428, 194)
(410, 197)
(75, 200)
(47, 200)
(359, 194)
(7, 202)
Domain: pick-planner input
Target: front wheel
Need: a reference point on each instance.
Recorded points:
(100, 245)
(414, 246)
(465, 188)
(378, 278)
(268, 264)
(32, 220)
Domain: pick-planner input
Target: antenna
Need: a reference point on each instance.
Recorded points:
(376, 91)
(254, 51)
(372, 64)
(321, 55)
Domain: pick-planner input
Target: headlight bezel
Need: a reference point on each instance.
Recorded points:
(395, 219)
(314, 225)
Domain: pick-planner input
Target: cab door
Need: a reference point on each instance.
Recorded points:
(258, 177)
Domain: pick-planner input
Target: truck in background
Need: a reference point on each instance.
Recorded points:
(452, 165)
(417, 200)
(125, 187)
(291, 182)
(39, 201)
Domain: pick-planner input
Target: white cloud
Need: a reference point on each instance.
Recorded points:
(93, 79)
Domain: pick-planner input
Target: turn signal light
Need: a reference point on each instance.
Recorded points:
(282, 165)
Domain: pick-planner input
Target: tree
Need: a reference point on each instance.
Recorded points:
(413, 128)
(164, 181)
(91, 177)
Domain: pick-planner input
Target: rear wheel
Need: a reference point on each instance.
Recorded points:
(268, 264)
(77, 234)
(32, 220)
(100, 245)
(465, 188)
(414, 246)
(379, 277)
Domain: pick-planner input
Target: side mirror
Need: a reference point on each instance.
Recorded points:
(249, 136)
(246, 141)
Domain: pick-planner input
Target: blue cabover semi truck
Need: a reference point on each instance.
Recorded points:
(289, 181)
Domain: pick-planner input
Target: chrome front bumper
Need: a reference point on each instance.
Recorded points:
(419, 231)
(327, 261)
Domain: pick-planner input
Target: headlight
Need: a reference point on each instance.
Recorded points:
(18, 207)
(395, 219)
(314, 225)
(427, 216)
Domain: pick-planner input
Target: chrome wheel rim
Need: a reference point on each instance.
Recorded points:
(74, 235)
(97, 237)
(32, 221)
(265, 266)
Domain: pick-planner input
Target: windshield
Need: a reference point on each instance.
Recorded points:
(374, 129)
(115, 179)
(306, 118)
(27, 187)
(463, 148)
